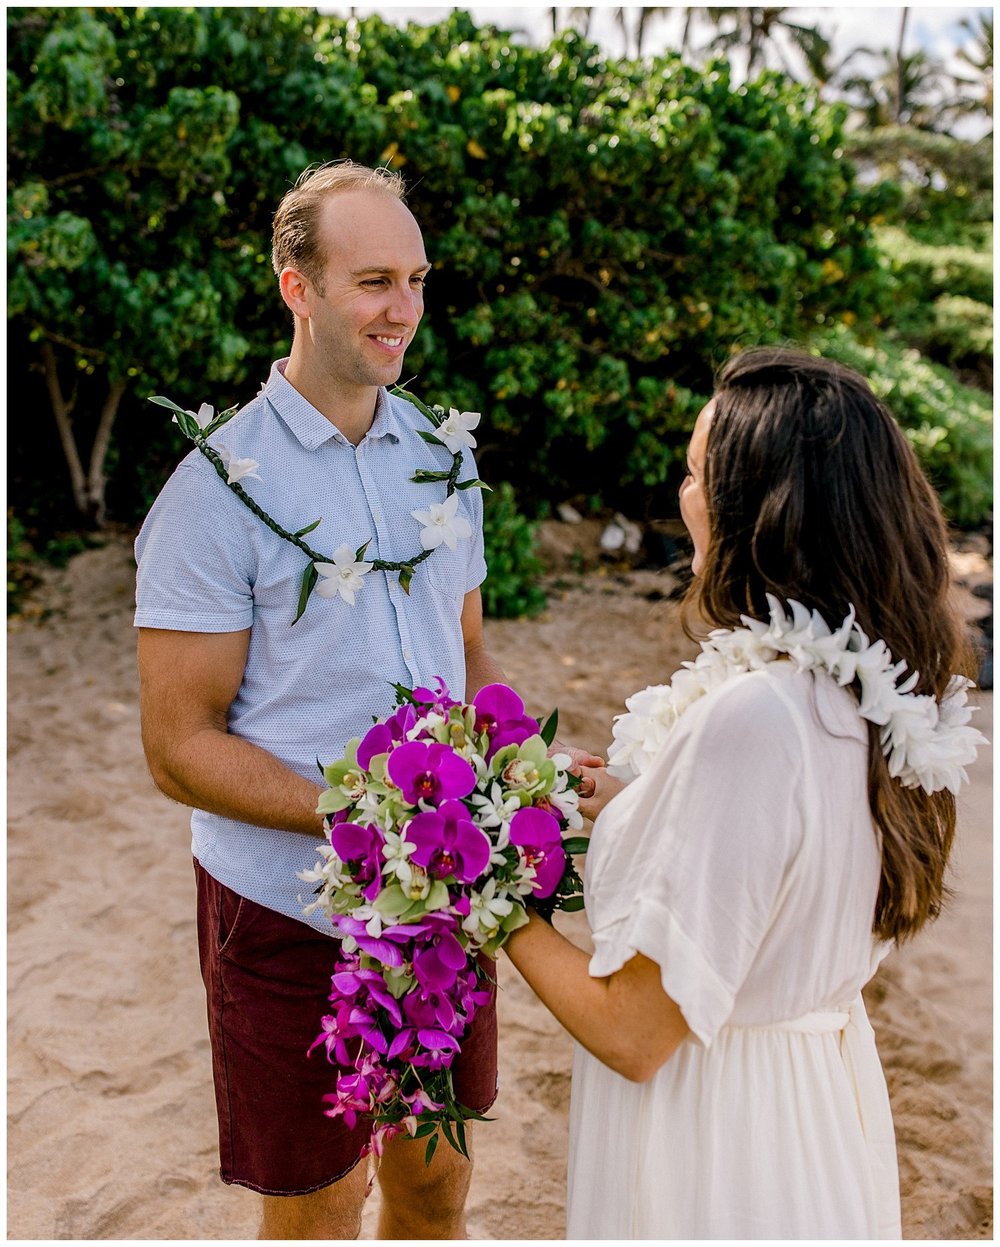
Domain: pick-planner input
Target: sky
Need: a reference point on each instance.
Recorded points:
(935, 29)
(932, 27)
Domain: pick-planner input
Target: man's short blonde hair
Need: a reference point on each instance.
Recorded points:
(295, 241)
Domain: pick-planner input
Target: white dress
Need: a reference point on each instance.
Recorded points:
(745, 864)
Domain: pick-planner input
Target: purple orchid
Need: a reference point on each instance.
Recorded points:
(431, 773)
(363, 986)
(361, 848)
(385, 947)
(500, 714)
(383, 736)
(449, 843)
(536, 833)
(437, 960)
(441, 700)
(439, 1049)
(420, 1101)
(430, 1009)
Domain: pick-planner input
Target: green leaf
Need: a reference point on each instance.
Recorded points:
(429, 437)
(404, 694)
(571, 904)
(405, 577)
(309, 578)
(166, 402)
(576, 844)
(309, 527)
(463, 1141)
(425, 476)
(548, 729)
(474, 483)
(449, 1134)
(359, 554)
(420, 405)
(432, 1143)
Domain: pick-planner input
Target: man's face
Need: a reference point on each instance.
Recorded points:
(372, 290)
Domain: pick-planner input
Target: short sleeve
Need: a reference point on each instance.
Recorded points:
(693, 856)
(194, 557)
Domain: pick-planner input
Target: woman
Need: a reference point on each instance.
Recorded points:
(746, 885)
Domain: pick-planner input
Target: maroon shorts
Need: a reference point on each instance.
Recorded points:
(268, 983)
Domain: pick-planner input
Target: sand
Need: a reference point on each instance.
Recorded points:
(112, 1130)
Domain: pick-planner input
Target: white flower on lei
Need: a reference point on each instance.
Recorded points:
(343, 576)
(203, 417)
(442, 522)
(927, 744)
(456, 430)
(237, 468)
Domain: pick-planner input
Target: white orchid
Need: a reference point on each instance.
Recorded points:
(396, 852)
(343, 577)
(203, 417)
(238, 468)
(486, 911)
(442, 523)
(456, 430)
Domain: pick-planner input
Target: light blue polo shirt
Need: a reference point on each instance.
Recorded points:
(206, 563)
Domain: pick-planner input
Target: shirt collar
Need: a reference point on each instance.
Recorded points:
(311, 428)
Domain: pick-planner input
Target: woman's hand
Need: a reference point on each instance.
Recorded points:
(596, 790)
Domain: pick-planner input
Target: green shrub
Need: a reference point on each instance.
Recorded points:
(927, 271)
(948, 424)
(21, 576)
(959, 334)
(511, 589)
(602, 232)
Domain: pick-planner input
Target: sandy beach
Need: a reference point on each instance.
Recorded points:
(112, 1132)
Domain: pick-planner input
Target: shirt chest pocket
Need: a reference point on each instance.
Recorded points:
(445, 570)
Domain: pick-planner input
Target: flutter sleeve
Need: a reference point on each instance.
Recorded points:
(686, 866)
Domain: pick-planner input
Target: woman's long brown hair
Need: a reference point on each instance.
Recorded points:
(814, 494)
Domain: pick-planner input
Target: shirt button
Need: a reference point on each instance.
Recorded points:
(407, 654)
(377, 517)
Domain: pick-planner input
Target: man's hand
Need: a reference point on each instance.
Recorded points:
(597, 790)
(579, 758)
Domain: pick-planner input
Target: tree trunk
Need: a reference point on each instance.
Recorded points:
(96, 480)
(89, 489)
(62, 409)
(900, 68)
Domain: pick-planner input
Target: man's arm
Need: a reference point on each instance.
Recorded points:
(481, 668)
(187, 683)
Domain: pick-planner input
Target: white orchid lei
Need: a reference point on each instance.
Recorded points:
(928, 743)
(341, 575)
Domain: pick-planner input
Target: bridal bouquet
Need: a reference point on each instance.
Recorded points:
(443, 821)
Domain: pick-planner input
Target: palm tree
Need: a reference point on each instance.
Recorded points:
(579, 20)
(756, 30)
(644, 14)
(978, 55)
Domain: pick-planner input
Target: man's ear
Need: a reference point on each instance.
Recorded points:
(295, 289)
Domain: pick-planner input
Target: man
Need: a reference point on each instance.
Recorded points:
(236, 703)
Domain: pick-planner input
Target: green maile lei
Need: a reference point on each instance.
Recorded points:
(192, 429)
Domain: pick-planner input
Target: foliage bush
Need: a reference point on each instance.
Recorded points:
(948, 424)
(602, 233)
(929, 270)
(945, 183)
(511, 589)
